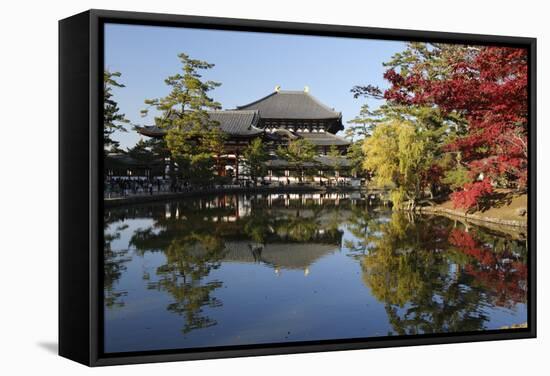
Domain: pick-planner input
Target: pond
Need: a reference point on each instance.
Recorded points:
(277, 268)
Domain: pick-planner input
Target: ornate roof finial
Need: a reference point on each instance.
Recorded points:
(306, 89)
(277, 88)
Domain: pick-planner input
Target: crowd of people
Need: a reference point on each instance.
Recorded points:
(130, 186)
(125, 186)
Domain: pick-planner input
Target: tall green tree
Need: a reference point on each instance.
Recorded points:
(192, 138)
(299, 153)
(362, 125)
(336, 161)
(142, 151)
(356, 157)
(155, 145)
(113, 119)
(255, 157)
(359, 128)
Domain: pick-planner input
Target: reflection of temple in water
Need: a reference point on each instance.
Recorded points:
(241, 206)
(232, 207)
(280, 256)
(284, 232)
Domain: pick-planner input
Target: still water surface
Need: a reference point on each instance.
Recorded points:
(234, 270)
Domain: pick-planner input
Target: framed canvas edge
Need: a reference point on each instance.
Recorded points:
(372, 343)
(96, 20)
(96, 188)
(303, 28)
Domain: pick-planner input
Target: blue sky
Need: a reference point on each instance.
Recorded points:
(249, 66)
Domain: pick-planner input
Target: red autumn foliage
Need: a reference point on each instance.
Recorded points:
(506, 284)
(488, 86)
(433, 175)
(472, 194)
(469, 246)
(503, 274)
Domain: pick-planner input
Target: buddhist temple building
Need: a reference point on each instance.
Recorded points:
(297, 114)
(278, 118)
(119, 164)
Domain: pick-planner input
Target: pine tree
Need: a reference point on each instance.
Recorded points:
(255, 158)
(195, 142)
(335, 160)
(113, 120)
(298, 153)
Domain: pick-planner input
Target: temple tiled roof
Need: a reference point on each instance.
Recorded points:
(234, 123)
(327, 160)
(321, 161)
(237, 123)
(283, 255)
(291, 105)
(281, 134)
(125, 160)
(316, 138)
(324, 139)
(276, 162)
(151, 131)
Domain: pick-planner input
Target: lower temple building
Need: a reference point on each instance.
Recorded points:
(277, 119)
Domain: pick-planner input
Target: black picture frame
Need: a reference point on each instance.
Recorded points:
(80, 185)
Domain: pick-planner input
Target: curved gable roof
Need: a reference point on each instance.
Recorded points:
(291, 105)
(237, 123)
(234, 123)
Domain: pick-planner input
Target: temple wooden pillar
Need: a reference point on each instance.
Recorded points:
(236, 165)
(221, 168)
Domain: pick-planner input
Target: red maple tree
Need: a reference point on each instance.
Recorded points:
(472, 194)
(488, 87)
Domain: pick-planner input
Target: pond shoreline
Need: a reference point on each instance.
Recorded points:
(140, 199)
(518, 232)
(473, 217)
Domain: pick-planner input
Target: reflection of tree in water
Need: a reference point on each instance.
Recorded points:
(297, 224)
(192, 234)
(189, 260)
(426, 288)
(259, 227)
(430, 277)
(497, 264)
(361, 225)
(297, 227)
(113, 267)
(193, 248)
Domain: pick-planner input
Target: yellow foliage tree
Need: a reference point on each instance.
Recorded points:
(399, 155)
